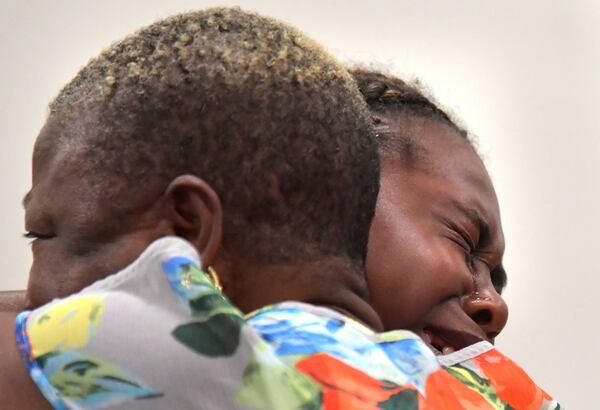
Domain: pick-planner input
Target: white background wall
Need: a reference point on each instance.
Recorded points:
(524, 76)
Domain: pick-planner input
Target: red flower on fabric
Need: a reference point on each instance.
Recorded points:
(345, 387)
(511, 382)
(442, 391)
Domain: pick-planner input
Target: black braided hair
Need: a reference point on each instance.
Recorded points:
(389, 96)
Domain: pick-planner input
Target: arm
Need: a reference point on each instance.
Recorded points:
(17, 389)
(12, 301)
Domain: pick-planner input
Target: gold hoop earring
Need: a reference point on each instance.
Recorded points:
(214, 278)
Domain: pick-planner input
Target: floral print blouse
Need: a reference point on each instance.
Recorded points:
(159, 335)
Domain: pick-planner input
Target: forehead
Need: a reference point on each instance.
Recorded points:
(59, 173)
(440, 150)
(450, 173)
(70, 176)
(60, 145)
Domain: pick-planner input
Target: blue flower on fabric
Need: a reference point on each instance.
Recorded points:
(294, 340)
(411, 357)
(186, 278)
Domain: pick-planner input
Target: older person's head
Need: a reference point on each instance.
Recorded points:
(228, 129)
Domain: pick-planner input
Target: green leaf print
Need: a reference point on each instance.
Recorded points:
(211, 304)
(475, 382)
(403, 400)
(216, 337)
(92, 382)
(269, 385)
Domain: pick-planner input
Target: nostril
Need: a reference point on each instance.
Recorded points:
(482, 317)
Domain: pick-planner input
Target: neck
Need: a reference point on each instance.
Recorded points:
(332, 282)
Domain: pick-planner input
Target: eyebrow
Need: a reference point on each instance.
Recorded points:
(475, 216)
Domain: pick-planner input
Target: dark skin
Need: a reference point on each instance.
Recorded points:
(78, 239)
(439, 245)
(16, 387)
(408, 236)
(12, 301)
(396, 258)
(436, 243)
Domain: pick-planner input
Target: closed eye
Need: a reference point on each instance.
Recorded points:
(460, 237)
(465, 243)
(35, 235)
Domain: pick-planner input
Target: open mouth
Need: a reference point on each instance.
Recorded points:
(445, 341)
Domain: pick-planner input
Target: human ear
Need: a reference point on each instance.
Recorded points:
(197, 215)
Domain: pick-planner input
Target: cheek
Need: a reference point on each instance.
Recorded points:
(107, 259)
(411, 269)
(58, 270)
(50, 273)
(399, 264)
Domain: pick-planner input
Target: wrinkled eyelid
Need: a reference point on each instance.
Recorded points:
(460, 232)
(478, 220)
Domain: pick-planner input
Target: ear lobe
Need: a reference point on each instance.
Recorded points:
(197, 215)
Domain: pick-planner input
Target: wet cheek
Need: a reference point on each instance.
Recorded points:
(450, 273)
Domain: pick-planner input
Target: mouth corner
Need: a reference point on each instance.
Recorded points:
(446, 341)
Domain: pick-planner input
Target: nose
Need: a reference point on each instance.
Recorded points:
(486, 307)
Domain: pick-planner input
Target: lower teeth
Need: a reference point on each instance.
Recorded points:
(448, 350)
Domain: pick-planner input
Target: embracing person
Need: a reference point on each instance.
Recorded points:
(199, 213)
